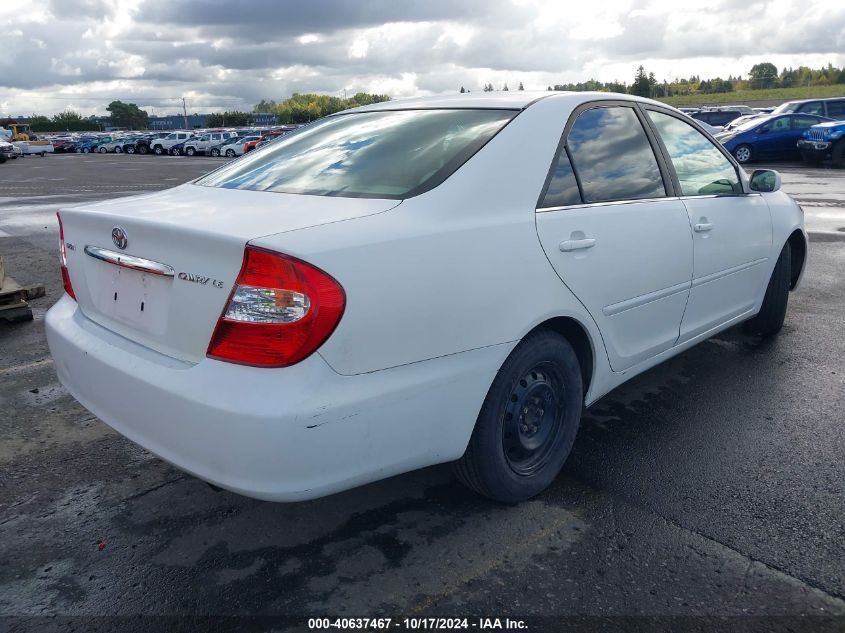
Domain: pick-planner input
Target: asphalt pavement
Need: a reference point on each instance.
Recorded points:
(706, 494)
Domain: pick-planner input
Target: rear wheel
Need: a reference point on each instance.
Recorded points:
(742, 153)
(527, 423)
(838, 154)
(769, 320)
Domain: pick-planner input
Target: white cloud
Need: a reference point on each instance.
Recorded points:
(84, 53)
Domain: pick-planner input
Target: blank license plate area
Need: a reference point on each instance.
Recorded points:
(131, 297)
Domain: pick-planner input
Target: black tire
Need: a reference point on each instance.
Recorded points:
(769, 320)
(102, 150)
(130, 149)
(158, 150)
(118, 149)
(215, 152)
(175, 151)
(143, 149)
(743, 153)
(838, 153)
(190, 151)
(527, 424)
(230, 153)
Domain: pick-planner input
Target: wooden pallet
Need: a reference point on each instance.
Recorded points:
(14, 297)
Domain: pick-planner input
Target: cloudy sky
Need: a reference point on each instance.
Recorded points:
(229, 54)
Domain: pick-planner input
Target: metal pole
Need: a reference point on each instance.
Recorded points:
(184, 113)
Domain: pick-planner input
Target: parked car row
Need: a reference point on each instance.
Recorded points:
(808, 129)
(230, 143)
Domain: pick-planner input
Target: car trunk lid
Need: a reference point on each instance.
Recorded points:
(168, 285)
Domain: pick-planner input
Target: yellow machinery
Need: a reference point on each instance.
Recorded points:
(20, 132)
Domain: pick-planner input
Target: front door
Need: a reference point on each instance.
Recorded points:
(615, 237)
(732, 230)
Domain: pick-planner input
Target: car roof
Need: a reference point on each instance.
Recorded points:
(510, 100)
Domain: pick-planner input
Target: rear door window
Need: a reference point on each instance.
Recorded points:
(612, 156)
(812, 107)
(836, 109)
(803, 122)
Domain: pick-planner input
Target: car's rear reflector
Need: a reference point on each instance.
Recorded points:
(63, 254)
(279, 312)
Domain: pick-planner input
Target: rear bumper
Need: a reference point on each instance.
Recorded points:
(279, 434)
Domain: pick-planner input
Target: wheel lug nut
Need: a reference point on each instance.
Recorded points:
(524, 428)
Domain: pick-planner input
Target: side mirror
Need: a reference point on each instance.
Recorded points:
(765, 180)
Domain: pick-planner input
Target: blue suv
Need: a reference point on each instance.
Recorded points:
(822, 140)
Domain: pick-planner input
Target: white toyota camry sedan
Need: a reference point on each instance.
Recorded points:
(447, 279)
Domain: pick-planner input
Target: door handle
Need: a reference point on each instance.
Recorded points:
(576, 245)
(703, 227)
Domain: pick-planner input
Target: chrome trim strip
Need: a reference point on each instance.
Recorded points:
(609, 203)
(130, 261)
(721, 195)
(637, 302)
(728, 271)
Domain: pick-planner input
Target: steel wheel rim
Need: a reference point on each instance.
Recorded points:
(533, 419)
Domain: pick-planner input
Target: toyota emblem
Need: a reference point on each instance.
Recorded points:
(118, 236)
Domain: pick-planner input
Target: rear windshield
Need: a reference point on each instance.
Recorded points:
(385, 154)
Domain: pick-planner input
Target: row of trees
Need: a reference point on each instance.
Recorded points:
(299, 108)
(121, 114)
(302, 108)
(762, 76)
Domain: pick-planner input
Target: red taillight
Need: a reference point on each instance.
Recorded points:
(63, 252)
(279, 312)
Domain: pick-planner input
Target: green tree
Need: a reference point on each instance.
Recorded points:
(641, 85)
(127, 115)
(232, 119)
(39, 123)
(302, 108)
(265, 106)
(463, 90)
(763, 75)
(521, 87)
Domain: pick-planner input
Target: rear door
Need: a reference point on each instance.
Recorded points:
(732, 230)
(615, 235)
(773, 138)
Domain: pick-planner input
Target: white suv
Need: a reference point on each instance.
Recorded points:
(202, 144)
(162, 145)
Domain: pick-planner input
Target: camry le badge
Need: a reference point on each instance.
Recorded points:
(118, 236)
